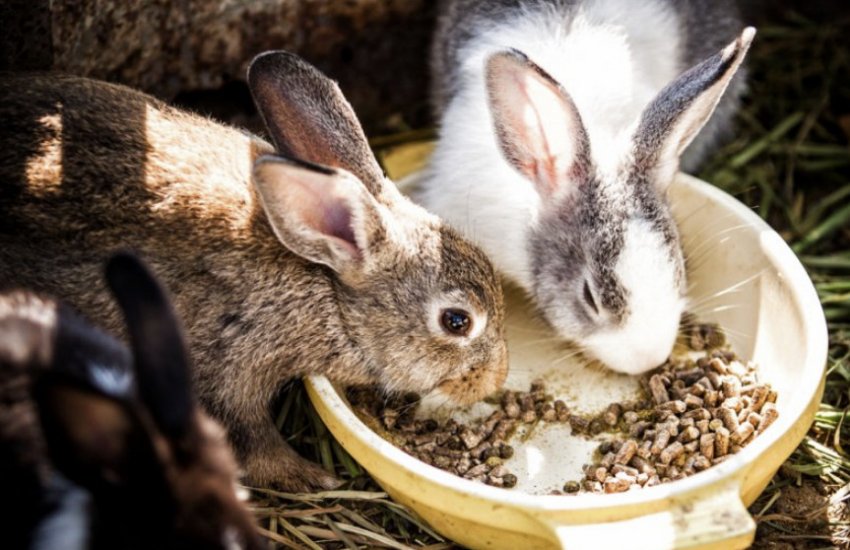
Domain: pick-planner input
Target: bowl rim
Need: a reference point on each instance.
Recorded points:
(815, 332)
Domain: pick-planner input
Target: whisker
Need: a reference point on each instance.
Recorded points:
(676, 207)
(729, 289)
(694, 257)
(716, 221)
(566, 357)
(552, 340)
(713, 239)
(738, 333)
(544, 333)
(718, 309)
(726, 330)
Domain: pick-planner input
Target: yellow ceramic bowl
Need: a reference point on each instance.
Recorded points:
(743, 276)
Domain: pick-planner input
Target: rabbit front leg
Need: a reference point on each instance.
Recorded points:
(265, 457)
(270, 462)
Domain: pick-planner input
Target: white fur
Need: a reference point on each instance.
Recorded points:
(612, 57)
(655, 306)
(110, 379)
(230, 539)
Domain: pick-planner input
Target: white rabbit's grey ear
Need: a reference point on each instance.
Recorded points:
(681, 109)
(309, 118)
(536, 123)
(323, 215)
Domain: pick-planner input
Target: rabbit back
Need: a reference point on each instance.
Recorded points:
(91, 167)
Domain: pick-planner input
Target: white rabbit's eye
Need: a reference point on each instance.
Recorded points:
(456, 322)
(588, 297)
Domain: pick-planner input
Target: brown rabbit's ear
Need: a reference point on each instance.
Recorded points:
(325, 216)
(681, 109)
(160, 357)
(536, 122)
(309, 118)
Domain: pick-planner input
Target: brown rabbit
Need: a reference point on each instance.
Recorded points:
(149, 469)
(280, 268)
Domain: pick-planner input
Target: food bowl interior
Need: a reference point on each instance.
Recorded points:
(741, 275)
(732, 281)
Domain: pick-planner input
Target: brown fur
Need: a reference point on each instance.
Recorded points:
(184, 487)
(87, 167)
(25, 333)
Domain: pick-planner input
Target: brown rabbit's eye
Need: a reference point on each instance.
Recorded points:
(456, 321)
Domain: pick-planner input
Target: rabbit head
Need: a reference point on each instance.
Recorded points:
(422, 306)
(605, 262)
(126, 427)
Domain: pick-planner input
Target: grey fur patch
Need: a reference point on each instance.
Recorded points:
(707, 26)
(660, 117)
(585, 230)
(655, 209)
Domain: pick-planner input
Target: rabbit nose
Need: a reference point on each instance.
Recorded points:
(632, 353)
(653, 350)
(480, 381)
(650, 358)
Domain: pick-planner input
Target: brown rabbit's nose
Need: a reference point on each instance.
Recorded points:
(479, 381)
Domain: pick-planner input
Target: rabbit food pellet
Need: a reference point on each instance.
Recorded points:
(695, 414)
(474, 451)
(680, 434)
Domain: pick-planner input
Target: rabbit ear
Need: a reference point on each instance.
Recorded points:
(309, 118)
(676, 115)
(94, 440)
(537, 125)
(85, 405)
(160, 357)
(323, 215)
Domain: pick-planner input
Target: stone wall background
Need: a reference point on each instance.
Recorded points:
(376, 49)
(195, 52)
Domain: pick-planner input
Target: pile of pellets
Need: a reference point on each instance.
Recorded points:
(473, 451)
(694, 414)
(700, 414)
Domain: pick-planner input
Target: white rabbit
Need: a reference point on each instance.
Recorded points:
(562, 125)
